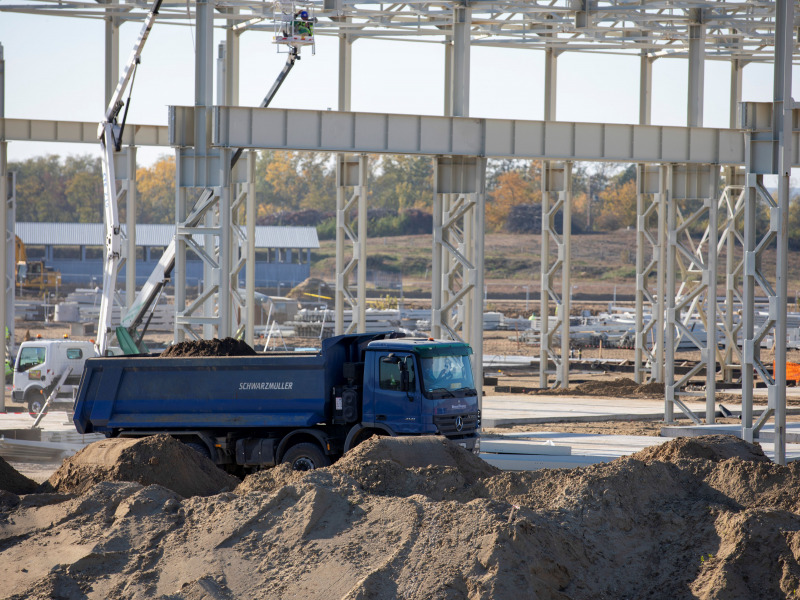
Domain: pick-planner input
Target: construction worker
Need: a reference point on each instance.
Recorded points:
(303, 25)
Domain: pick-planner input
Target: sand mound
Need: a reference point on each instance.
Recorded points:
(622, 387)
(704, 518)
(14, 482)
(158, 459)
(216, 347)
(715, 448)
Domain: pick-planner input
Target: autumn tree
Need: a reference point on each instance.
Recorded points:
(511, 187)
(155, 187)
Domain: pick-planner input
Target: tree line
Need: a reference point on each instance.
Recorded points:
(299, 188)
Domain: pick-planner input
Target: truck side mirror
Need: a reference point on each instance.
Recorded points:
(404, 383)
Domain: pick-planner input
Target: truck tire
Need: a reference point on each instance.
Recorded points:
(199, 448)
(34, 398)
(305, 457)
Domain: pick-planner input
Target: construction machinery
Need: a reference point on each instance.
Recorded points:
(296, 25)
(301, 408)
(33, 274)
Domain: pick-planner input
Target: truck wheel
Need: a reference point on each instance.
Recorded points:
(305, 457)
(35, 400)
(199, 448)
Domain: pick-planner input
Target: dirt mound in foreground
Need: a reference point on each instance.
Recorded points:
(158, 459)
(682, 523)
(216, 347)
(715, 448)
(13, 481)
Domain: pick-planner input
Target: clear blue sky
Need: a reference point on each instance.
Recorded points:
(54, 70)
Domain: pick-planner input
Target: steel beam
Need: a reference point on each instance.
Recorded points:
(374, 133)
(78, 132)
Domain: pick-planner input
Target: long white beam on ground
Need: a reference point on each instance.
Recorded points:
(334, 131)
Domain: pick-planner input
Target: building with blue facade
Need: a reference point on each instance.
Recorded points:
(283, 254)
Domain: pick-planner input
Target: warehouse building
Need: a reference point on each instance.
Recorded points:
(283, 254)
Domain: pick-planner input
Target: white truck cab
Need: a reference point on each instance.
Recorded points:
(39, 367)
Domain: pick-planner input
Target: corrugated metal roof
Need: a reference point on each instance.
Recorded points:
(92, 234)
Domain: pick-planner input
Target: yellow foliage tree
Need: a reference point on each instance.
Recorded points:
(617, 207)
(513, 188)
(156, 192)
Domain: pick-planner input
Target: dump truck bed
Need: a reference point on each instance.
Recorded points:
(284, 390)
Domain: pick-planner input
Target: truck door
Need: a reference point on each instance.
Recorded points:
(396, 400)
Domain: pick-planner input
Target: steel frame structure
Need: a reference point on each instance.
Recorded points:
(351, 172)
(736, 31)
(556, 199)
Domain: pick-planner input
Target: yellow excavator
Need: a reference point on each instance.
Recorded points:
(33, 274)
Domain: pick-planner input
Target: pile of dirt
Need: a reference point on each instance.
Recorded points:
(622, 387)
(418, 519)
(216, 347)
(155, 460)
(14, 482)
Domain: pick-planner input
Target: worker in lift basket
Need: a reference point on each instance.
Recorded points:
(303, 25)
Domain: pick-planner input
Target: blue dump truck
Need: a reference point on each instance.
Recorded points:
(306, 409)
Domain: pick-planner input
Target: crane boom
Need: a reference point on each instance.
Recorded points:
(109, 133)
(163, 270)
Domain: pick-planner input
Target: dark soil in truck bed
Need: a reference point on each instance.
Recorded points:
(216, 347)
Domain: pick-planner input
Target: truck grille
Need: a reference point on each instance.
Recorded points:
(448, 425)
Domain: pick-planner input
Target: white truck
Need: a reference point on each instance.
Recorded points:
(41, 364)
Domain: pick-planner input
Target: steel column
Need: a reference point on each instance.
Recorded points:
(556, 197)
(111, 55)
(697, 55)
(458, 252)
(782, 129)
(461, 60)
(648, 265)
(351, 172)
(694, 200)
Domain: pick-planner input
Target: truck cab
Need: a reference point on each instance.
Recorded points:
(419, 386)
(39, 366)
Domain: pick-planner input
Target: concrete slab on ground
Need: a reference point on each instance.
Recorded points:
(528, 409)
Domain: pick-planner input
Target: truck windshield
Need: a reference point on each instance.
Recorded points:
(30, 357)
(447, 374)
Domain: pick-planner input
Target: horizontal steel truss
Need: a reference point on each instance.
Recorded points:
(740, 30)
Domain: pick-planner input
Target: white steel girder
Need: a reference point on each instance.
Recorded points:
(556, 198)
(459, 203)
(351, 172)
